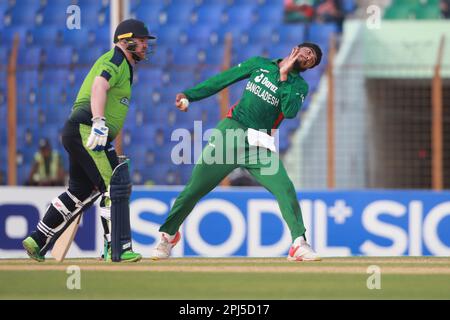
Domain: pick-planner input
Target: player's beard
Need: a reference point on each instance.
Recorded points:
(298, 66)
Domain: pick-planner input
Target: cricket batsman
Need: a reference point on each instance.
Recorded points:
(275, 91)
(97, 116)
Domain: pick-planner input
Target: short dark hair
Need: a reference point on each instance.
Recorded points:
(316, 49)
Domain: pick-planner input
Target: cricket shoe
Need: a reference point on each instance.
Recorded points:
(126, 256)
(301, 251)
(32, 249)
(165, 245)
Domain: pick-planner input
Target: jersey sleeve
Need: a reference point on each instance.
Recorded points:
(110, 72)
(292, 97)
(223, 79)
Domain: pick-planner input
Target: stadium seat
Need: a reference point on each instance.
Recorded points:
(243, 53)
(257, 34)
(7, 35)
(312, 77)
(149, 77)
(30, 56)
(149, 13)
(242, 15)
(77, 76)
(88, 57)
(271, 14)
(208, 15)
(28, 78)
(176, 14)
(44, 36)
(55, 76)
(280, 51)
(77, 38)
(52, 15)
(21, 14)
(89, 5)
(102, 37)
(186, 172)
(168, 35)
(289, 34)
(187, 56)
(64, 54)
(321, 32)
(197, 34)
(212, 55)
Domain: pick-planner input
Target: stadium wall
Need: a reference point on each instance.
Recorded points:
(247, 222)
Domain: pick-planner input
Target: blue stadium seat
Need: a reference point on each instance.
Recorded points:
(169, 35)
(50, 95)
(3, 8)
(187, 55)
(249, 2)
(22, 14)
(44, 36)
(186, 172)
(271, 14)
(177, 14)
(94, 18)
(88, 57)
(257, 34)
(159, 56)
(7, 35)
(102, 37)
(55, 76)
(76, 77)
(29, 78)
(30, 56)
(71, 94)
(208, 14)
(89, 5)
(197, 34)
(53, 3)
(52, 15)
(242, 15)
(289, 34)
(280, 51)
(149, 77)
(142, 94)
(149, 13)
(214, 55)
(319, 32)
(218, 35)
(242, 53)
(312, 77)
(348, 6)
(64, 54)
(77, 38)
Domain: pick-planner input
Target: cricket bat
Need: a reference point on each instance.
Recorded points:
(64, 242)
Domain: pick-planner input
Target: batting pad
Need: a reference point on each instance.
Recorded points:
(120, 190)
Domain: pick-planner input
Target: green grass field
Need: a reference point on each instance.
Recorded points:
(228, 278)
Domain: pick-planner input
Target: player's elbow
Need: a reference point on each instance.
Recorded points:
(290, 114)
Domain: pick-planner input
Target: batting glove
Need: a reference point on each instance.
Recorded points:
(99, 134)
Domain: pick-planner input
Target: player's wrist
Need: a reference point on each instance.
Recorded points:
(98, 120)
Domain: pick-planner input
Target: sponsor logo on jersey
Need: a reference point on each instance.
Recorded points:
(259, 78)
(125, 101)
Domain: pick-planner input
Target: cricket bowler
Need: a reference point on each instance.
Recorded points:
(97, 116)
(275, 91)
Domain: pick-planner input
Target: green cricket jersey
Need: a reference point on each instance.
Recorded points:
(115, 68)
(266, 100)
